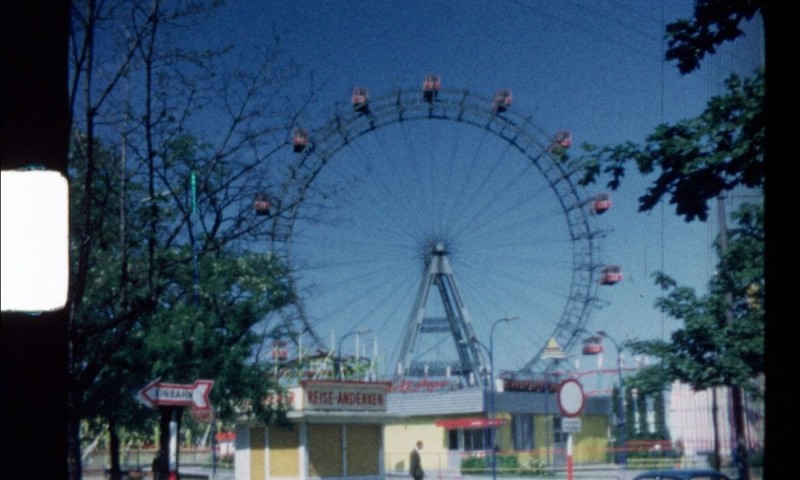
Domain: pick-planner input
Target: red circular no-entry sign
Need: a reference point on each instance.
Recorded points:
(571, 398)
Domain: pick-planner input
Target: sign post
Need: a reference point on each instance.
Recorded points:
(156, 394)
(571, 401)
(173, 446)
(171, 399)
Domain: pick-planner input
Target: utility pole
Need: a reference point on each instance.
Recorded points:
(492, 392)
(623, 455)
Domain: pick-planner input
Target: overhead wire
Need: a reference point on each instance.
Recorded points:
(583, 28)
(615, 19)
(637, 12)
(594, 14)
(661, 113)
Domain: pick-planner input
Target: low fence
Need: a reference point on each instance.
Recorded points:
(445, 465)
(539, 462)
(138, 462)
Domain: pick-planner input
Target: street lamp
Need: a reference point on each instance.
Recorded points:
(623, 459)
(490, 350)
(339, 375)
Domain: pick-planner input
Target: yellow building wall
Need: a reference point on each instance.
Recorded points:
(543, 436)
(503, 434)
(588, 446)
(325, 450)
(258, 452)
(591, 444)
(399, 440)
(284, 454)
(363, 442)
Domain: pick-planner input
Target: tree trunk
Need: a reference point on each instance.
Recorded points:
(74, 467)
(740, 452)
(715, 421)
(741, 455)
(113, 450)
(161, 466)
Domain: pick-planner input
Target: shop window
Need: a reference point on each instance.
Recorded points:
(522, 431)
(363, 443)
(475, 439)
(325, 450)
(452, 439)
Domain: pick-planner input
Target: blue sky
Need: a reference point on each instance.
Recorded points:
(591, 67)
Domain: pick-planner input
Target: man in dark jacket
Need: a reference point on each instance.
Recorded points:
(415, 465)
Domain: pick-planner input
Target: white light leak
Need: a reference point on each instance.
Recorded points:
(35, 240)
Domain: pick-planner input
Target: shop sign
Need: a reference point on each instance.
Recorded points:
(157, 394)
(571, 425)
(345, 396)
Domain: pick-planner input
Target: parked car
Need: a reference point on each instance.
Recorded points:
(689, 474)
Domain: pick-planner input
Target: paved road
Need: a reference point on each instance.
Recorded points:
(186, 473)
(601, 472)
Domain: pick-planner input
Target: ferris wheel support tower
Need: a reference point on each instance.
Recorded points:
(470, 365)
(318, 149)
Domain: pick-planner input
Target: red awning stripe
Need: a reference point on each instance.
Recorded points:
(471, 422)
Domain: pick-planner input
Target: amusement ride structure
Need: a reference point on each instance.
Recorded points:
(438, 320)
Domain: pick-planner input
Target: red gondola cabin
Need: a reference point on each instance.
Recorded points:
(430, 87)
(360, 100)
(279, 351)
(300, 140)
(601, 203)
(611, 275)
(593, 345)
(502, 100)
(261, 204)
(563, 139)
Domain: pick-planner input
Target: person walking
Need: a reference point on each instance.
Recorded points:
(415, 464)
(158, 466)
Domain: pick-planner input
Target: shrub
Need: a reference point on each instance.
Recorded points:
(507, 465)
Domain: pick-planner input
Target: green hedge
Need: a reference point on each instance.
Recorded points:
(507, 465)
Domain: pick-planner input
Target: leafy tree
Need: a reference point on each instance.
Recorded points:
(642, 429)
(697, 159)
(714, 22)
(616, 402)
(710, 351)
(156, 211)
(660, 414)
(722, 341)
(630, 414)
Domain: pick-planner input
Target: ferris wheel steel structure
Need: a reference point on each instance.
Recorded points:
(519, 132)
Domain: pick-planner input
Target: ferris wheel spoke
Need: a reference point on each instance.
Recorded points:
(393, 184)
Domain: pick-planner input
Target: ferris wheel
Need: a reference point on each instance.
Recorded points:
(397, 179)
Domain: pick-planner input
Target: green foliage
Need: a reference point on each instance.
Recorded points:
(162, 282)
(630, 414)
(714, 22)
(659, 408)
(697, 159)
(711, 349)
(507, 465)
(642, 429)
(652, 460)
(127, 331)
(473, 464)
